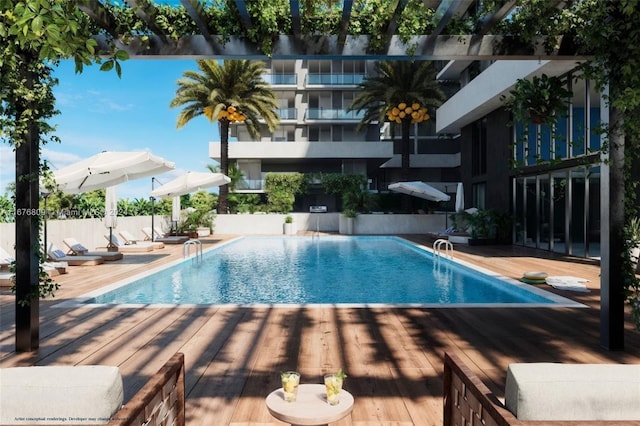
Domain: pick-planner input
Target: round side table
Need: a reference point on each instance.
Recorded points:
(310, 408)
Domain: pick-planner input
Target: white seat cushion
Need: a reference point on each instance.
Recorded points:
(59, 394)
(551, 391)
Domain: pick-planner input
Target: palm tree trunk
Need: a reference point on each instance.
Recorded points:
(224, 165)
(405, 165)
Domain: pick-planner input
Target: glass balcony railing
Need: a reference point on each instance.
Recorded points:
(336, 79)
(333, 114)
(287, 113)
(275, 79)
(250, 185)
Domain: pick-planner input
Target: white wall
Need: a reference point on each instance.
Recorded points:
(90, 232)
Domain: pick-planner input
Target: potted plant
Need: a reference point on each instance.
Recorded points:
(539, 99)
(289, 226)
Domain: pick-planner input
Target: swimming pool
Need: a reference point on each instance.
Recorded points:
(328, 270)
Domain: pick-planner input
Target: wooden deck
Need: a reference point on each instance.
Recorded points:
(393, 356)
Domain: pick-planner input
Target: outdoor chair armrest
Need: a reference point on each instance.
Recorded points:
(160, 402)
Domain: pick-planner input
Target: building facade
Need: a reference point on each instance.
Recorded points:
(318, 134)
(548, 178)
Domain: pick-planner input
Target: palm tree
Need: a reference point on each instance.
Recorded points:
(403, 92)
(231, 92)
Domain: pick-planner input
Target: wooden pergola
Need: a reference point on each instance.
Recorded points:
(482, 45)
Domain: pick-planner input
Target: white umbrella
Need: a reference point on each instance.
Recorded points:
(460, 197)
(109, 168)
(419, 189)
(175, 210)
(110, 211)
(190, 182)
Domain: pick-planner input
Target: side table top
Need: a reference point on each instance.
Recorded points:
(310, 407)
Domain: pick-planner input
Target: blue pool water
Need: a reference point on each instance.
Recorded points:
(328, 270)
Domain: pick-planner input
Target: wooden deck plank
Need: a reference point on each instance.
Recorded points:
(393, 355)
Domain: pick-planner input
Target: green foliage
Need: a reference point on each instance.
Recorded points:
(216, 86)
(356, 200)
(282, 188)
(338, 183)
(539, 99)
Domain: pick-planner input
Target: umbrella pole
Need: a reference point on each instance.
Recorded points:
(110, 245)
(153, 232)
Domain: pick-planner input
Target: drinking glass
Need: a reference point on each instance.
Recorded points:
(290, 382)
(333, 385)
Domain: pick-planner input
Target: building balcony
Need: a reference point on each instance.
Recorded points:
(426, 161)
(304, 150)
(287, 113)
(335, 79)
(333, 114)
(281, 79)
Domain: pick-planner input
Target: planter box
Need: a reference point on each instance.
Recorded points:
(459, 239)
(289, 228)
(203, 232)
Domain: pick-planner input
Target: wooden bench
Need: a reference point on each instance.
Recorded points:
(468, 401)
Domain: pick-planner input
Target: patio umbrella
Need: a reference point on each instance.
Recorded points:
(190, 182)
(460, 197)
(105, 170)
(419, 189)
(175, 210)
(110, 211)
(109, 168)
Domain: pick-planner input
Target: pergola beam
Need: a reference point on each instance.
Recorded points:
(294, 6)
(146, 12)
(393, 22)
(447, 10)
(463, 47)
(100, 16)
(491, 20)
(344, 23)
(244, 14)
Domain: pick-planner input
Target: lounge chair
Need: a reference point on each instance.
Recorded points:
(6, 276)
(131, 248)
(167, 239)
(130, 239)
(58, 255)
(77, 249)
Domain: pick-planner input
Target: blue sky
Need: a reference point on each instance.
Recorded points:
(100, 112)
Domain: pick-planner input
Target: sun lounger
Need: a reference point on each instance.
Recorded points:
(130, 239)
(6, 276)
(58, 255)
(167, 239)
(131, 248)
(77, 249)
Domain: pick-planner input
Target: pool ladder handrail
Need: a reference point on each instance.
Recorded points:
(317, 232)
(448, 248)
(186, 249)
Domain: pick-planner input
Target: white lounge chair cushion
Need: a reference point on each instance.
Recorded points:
(553, 391)
(86, 394)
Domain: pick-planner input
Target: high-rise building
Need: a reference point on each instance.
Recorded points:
(318, 134)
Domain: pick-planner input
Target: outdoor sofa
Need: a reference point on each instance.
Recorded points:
(91, 392)
(544, 394)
